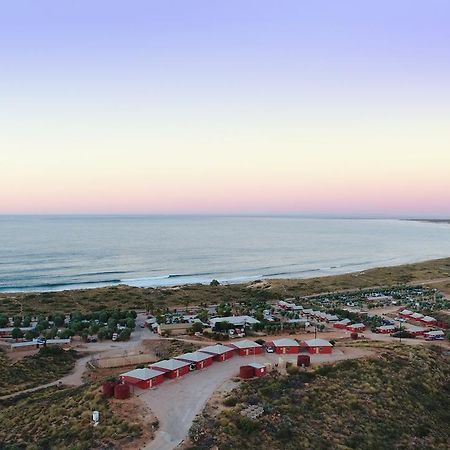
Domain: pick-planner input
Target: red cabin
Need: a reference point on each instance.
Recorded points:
(284, 346)
(172, 368)
(318, 346)
(143, 378)
(246, 348)
(356, 327)
(219, 352)
(197, 360)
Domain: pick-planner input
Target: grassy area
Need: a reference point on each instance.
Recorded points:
(60, 419)
(398, 400)
(47, 365)
(125, 297)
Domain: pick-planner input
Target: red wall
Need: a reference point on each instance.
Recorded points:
(260, 372)
(144, 384)
(285, 350)
(204, 363)
(177, 373)
(250, 351)
(320, 350)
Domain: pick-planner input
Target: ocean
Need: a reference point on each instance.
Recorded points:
(49, 253)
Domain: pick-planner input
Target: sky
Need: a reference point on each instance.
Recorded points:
(318, 107)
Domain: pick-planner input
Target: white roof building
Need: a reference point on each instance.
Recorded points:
(234, 320)
(142, 374)
(169, 364)
(245, 344)
(217, 349)
(285, 343)
(194, 356)
(318, 343)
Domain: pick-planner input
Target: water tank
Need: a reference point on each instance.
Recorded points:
(354, 336)
(122, 391)
(108, 388)
(246, 372)
(303, 360)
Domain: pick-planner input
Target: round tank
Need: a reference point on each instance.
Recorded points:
(303, 360)
(108, 388)
(122, 391)
(354, 336)
(246, 372)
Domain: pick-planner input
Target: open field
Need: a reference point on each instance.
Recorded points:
(399, 398)
(126, 297)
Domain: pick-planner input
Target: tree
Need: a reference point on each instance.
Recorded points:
(26, 321)
(30, 335)
(214, 283)
(197, 327)
(17, 321)
(16, 333)
(4, 321)
(130, 323)
(58, 320)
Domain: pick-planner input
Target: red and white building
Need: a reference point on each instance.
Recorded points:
(318, 346)
(356, 328)
(143, 378)
(197, 360)
(246, 348)
(171, 368)
(284, 346)
(428, 320)
(415, 331)
(219, 352)
(406, 313)
(416, 316)
(342, 324)
(386, 329)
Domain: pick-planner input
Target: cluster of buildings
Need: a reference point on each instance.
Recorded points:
(181, 365)
(426, 320)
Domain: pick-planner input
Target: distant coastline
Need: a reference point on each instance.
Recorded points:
(430, 220)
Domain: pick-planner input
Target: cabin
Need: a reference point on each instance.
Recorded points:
(428, 320)
(143, 378)
(197, 360)
(283, 346)
(385, 329)
(356, 328)
(246, 348)
(219, 352)
(318, 346)
(342, 324)
(172, 368)
(259, 370)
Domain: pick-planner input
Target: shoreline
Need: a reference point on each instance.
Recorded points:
(177, 279)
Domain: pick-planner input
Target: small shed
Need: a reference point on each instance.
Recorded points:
(197, 360)
(171, 368)
(246, 348)
(259, 370)
(143, 378)
(284, 346)
(318, 346)
(220, 352)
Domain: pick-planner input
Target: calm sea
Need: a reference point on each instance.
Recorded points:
(70, 252)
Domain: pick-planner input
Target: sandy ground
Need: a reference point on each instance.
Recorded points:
(177, 402)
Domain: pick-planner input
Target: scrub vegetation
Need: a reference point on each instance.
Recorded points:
(126, 297)
(399, 399)
(48, 365)
(61, 419)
